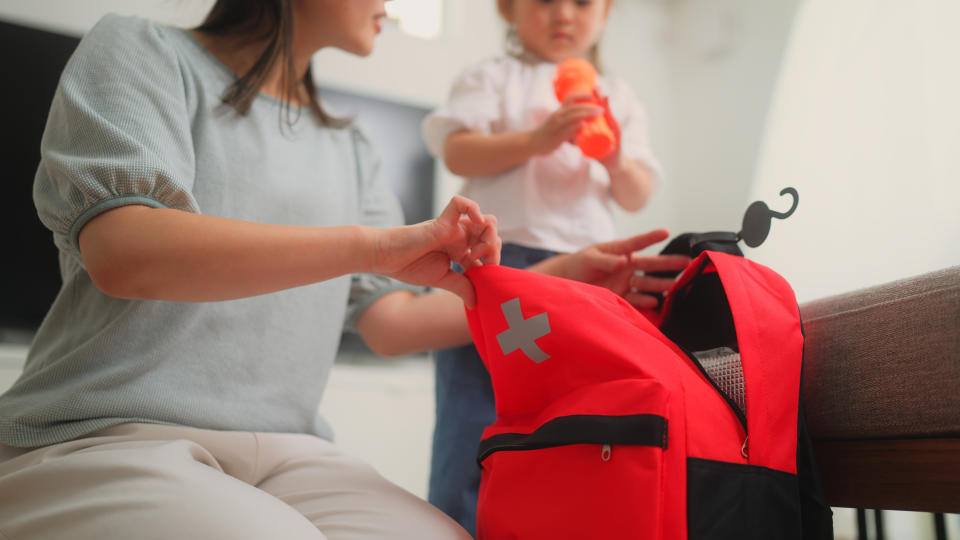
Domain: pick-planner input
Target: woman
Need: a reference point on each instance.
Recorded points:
(209, 225)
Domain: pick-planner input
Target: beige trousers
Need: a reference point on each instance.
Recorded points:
(144, 481)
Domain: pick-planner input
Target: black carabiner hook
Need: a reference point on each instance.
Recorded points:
(756, 220)
(796, 201)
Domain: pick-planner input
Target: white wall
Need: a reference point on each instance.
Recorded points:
(77, 16)
(414, 70)
(724, 57)
(866, 125)
(404, 68)
(635, 46)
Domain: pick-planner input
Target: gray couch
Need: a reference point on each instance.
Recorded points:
(882, 393)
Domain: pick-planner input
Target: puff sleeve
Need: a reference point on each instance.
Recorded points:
(474, 104)
(118, 132)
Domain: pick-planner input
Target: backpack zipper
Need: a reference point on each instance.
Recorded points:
(603, 430)
(733, 406)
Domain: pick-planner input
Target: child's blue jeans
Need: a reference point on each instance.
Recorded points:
(464, 403)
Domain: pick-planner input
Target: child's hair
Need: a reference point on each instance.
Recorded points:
(514, 47)
(272, 22)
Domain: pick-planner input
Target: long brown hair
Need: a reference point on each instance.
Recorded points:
(269, 21)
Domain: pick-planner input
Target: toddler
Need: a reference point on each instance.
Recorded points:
(505, 132)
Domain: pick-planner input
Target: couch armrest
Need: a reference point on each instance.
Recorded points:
(882, 393)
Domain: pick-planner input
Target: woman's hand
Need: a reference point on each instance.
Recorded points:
(563, 124)
(614, 266)
(421, 254)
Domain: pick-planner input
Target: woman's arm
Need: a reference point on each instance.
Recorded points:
(164, 254)
(403, 323)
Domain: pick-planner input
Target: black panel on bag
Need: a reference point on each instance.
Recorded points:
(816, 512)
(741, 502)
(700, 317)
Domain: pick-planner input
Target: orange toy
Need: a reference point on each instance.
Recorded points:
(577, 76)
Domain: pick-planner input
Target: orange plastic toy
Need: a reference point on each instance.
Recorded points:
(577, 76)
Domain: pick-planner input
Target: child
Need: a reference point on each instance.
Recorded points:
(504, 130)
(208, 226)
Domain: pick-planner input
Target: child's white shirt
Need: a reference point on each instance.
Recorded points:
(560, 201)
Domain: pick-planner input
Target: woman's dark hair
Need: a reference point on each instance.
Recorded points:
(269, 21)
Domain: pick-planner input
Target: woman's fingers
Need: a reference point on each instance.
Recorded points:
(463, 225)
(473, 241)
(488, 248)
(460, 206)
(480, 243)
(460, 286)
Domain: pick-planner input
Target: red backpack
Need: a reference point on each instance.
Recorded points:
(612, 424)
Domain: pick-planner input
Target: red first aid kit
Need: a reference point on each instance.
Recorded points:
(612, 424)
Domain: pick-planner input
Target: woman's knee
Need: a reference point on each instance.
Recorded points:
(144, 489)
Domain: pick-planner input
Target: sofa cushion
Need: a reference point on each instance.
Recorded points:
(884, 362)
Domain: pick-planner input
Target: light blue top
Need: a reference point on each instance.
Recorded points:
(137, 119)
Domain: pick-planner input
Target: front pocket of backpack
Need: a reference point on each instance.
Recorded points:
(578, 475)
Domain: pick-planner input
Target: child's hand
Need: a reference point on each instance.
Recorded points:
(614, 266)
(421, 254)
(612, 161)
(563, 124)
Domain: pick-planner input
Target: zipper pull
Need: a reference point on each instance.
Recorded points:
(605, 452)
(743, 449)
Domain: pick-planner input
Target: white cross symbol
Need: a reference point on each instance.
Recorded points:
(522, 333)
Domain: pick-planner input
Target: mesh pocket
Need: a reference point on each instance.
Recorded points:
(724, 369)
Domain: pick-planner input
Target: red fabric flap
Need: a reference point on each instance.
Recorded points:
(767, 319)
